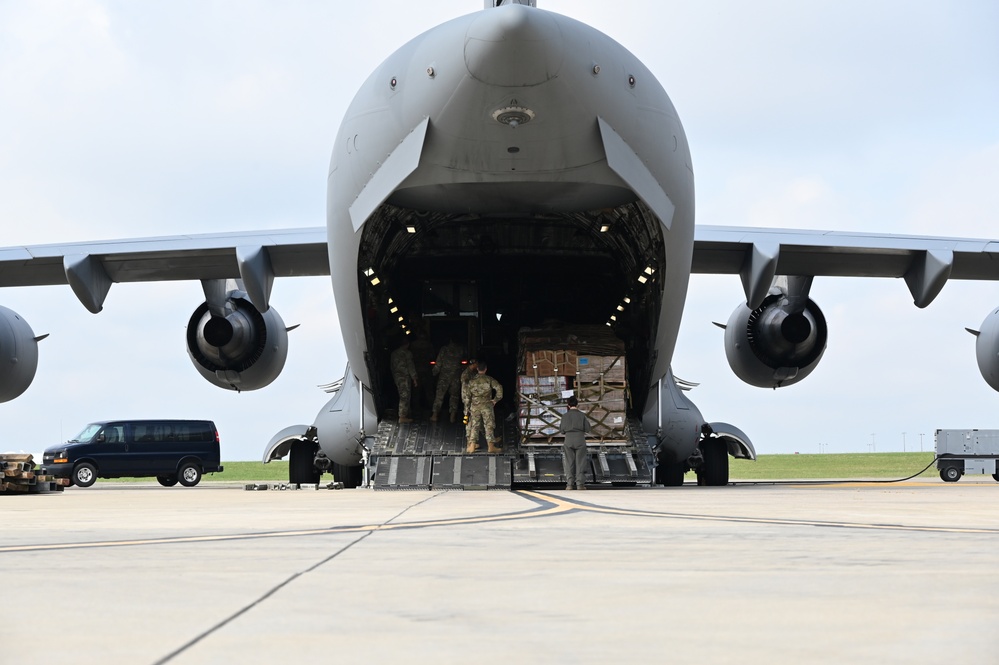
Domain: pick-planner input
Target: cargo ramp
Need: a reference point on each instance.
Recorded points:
(431, 456)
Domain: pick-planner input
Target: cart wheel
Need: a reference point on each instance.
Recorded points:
(950, 474)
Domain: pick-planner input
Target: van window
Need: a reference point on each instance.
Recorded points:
(195, 432)
(176, 431)
(87, 434)
(114, 434)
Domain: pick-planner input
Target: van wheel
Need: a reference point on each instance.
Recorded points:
(84, 474)
(190, 475)
(167, 481)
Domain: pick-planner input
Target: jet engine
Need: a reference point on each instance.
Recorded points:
(235, 346)
(987, 348)
(18, 354)
(776, 344)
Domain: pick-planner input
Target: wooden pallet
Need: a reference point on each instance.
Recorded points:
(18, 476)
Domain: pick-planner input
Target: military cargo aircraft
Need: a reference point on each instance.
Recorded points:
(496, 160)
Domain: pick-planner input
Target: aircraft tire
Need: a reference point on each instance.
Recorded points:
(350, 476)
(84, 474)
(950, 474)
(670, 474)
(995, 477)
(301, 464)
(189, 474)
(714, 470)
(167, 481)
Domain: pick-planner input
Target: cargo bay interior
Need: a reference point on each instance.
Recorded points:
(483, 279)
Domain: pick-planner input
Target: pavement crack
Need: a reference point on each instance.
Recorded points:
(273, 590)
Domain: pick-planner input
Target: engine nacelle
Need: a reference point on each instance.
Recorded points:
(987, 349)
(244, 350)
(775, 344)
(18, 355)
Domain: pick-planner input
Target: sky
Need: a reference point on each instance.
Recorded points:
(123, 120)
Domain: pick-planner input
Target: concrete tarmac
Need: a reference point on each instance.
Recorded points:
(750, 573)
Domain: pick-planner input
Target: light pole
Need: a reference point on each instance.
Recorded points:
(920, 442)
(903, 442)
(874, 448)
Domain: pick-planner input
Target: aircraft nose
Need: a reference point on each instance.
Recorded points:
(513, 46)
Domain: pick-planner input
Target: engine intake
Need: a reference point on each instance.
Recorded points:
(775, 344)
(243, 350)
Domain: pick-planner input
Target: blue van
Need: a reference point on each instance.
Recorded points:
(171, 450)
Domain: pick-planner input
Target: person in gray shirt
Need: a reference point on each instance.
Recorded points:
(574, 426)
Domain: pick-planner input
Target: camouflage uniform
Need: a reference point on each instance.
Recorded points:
(479, 401)
(404, 373)
(423, 353)
(470, 373)
(448, 371)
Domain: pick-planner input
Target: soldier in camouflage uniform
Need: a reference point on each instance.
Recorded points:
(479, 402)
(423, 355)
(470, 372)
(448, 370)
(404, 374)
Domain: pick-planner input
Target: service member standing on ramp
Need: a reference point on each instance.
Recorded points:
(404, 374)
(574, 425)
(470, 373)
(477, 394)
(448, 370)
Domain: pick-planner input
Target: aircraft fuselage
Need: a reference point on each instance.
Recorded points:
(530, 155)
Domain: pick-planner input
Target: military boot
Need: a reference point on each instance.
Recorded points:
(495, 447)
(433, 418)
(471, 447)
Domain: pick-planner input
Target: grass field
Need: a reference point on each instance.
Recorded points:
(767, 467)
(846, 465)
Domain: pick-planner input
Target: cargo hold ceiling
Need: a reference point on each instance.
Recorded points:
(629, 236)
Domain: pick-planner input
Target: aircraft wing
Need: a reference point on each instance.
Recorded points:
(91, 267)
(759, 254)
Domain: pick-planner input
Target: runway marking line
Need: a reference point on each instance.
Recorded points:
(546, 505)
